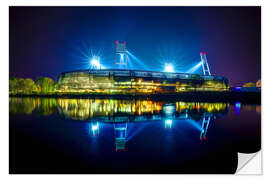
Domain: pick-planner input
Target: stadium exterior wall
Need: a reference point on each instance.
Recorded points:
(114, 81)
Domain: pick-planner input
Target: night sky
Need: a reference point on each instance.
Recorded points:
(45, 41)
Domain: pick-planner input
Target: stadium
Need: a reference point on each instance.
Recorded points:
(122, 80)
(116, 81)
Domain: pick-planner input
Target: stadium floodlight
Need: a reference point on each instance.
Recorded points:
(168, 67)
(95, 63)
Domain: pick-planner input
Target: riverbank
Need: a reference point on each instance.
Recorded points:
(230, 97)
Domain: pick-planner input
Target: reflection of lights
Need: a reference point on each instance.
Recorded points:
(258, 109)
(237, 107)
(205, 124)
(168, 123)
(83, 109)
(238, 104)
(120, 133)
(168, 67)
(169, 109)
(194, 124)
(95, 129)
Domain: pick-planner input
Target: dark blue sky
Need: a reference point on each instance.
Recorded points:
(45, 41)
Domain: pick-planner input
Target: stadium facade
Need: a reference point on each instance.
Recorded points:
(119, 81)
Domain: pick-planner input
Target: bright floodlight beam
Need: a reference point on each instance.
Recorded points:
(195, 68)
(168, 67)
(95, 63)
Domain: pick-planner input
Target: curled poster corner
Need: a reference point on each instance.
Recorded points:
(249, 164)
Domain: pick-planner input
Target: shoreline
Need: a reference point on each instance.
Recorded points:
(230, 97)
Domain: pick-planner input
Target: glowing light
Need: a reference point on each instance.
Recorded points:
(120, 133)
(95, 64)
(237, 107)
(168, 67)
(195, 124)
(238, 104)
(137, 61)
(94, 127)
(168, 123)
(194, 68)
(237, 88)
(122, 56)
(169, 110)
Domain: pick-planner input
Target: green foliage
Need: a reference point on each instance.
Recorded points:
(21, 105)
(45, 85)
(42, 106)
(13, 82)
(46, 106)
(28, 86)
(21, 86)
(164, 83)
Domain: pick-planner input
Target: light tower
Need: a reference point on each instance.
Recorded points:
(120, 135)
(168, 114)
(206, 120)
(121, 57)
(205, 66)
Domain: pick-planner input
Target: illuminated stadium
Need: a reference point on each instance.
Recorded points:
(122, 80)
(133, 81)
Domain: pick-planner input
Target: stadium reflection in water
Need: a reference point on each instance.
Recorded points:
(138, 136)
(122, 113)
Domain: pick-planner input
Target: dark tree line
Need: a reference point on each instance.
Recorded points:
(42, 85)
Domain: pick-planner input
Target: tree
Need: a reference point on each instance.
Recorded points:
(47, 106)
(259, 83)
(13, 82)
(20, 85)
(29, 86)
(46, 84)
(250, 84)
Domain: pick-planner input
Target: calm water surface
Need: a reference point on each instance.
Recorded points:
(129, 136)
